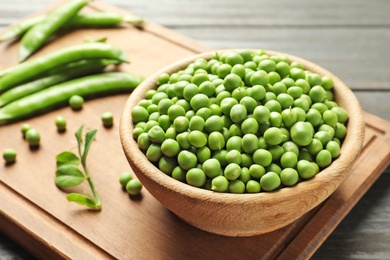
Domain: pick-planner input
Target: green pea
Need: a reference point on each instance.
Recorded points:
(199, 101)
(156, 134)
(60, 123)
(257, 92)
(196, 177)
(249, 126)
(232, 171)
(273, 136)
(232, 82)
(215, 110)
(203, 154)
(76, 102)
(290, 146)
(302, 133)
(334, 148)
(227, 104)
(313, 117)
(162, 79)
(297, 73)
(190, 91)
(220, 184)
(164, 105)
(143, 141)
(196, 123)
(301, 114)
(181, 124)
(179, 87)
(270, 181)
(175, 111)
(197, 139)
(214, 123)
(167, 164)
(239, 69)
(321, 107)
(289, 177)
(330, 118)
(171, 133)
(289, 117)
(256, 171)
(305, 169)
(239, 93)
(124, 178)
(314, 79)
(273, 106)
(327, 82)
(342, 114)
(238, 113)
(170, 147)
(289, 160)
(207, 88)
(33, 137)
(9, 155)
(285, 100)
(283, 68)
(223, 70)
(315, 146)
(139, 114)
(164, 122)
(107, 119)
(212, 167)
(253, 186)
(324, 158)
(262, 157)
(24, 128)
(154, 153)
(276, 151)
(340, 131)
(261, 114)
(134, 187)
(234, 143)
(259, 77)
(295, 92)
(273, 77)
(216, 141)
(187, 160)
(152, 108)
(323, 136)
(250, 143)
(236, 186)
(179, 174)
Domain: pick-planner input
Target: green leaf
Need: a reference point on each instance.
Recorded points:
(68, 175)
(83, 200)
(67, 158)
(89, 137)
(79, 134)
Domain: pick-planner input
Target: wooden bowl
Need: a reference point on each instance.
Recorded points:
(243, 214)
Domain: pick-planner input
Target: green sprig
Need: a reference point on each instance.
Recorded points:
(68, 173)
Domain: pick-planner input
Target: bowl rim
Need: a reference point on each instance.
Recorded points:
(339, 168)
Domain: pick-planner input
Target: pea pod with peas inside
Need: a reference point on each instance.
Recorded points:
(40, 32)
(23, 72)
(57, 75)
(80, 20)
(58, 95)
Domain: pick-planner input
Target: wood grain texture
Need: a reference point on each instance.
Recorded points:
(361, 30)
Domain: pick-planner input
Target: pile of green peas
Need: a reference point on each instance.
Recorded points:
(242, 122)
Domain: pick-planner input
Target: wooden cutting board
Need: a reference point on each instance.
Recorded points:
(35, 213)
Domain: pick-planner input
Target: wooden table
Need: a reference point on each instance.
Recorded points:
(349, 38)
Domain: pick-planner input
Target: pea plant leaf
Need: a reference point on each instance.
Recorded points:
(89, 137)
(83, 200)
(68, 175)
(67, 158)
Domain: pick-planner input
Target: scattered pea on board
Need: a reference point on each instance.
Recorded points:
(241, 122)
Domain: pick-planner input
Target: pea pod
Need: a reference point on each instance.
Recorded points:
(23, 72)
(80, 20)
(39, 33)
(58, 75)
(58, 95)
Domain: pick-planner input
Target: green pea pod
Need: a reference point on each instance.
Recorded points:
(80, 20)
(39, 33)
(58, 95)
(19, 29)
(58, 75)
(23, 72)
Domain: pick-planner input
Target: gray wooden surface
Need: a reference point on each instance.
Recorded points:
(351, 38)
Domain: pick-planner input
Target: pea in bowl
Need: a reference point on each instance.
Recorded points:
(220, 138)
